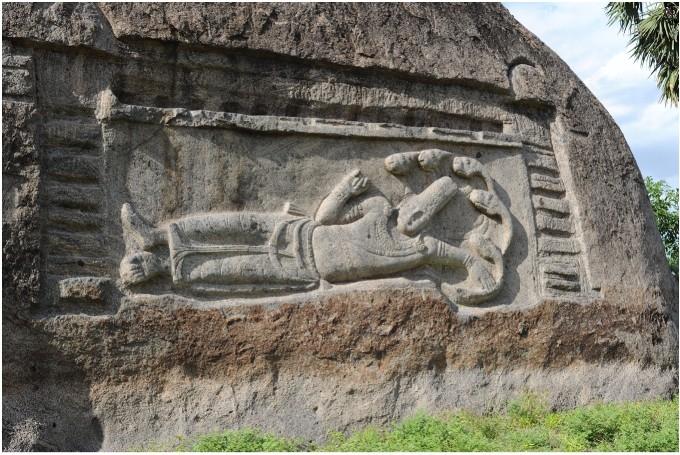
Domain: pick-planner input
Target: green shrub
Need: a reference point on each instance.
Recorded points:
(528, 410)
(664, 200)
(640, 427)
(527, 425)
(247, 440)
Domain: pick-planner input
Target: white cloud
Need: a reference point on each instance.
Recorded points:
(618, 73)
(652, 123)
(652, 133)
(599, 55)
(618, 110)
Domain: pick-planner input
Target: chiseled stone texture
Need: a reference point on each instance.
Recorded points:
(120, 112)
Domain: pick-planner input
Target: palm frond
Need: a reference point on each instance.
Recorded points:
(653, 29)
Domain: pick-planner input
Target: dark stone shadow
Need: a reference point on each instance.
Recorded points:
(42, 384)
(514, 256)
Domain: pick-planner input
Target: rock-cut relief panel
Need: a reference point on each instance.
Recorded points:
(354, 235)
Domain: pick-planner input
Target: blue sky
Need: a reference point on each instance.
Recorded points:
(599, 55)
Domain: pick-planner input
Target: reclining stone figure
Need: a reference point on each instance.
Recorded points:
(352, 237)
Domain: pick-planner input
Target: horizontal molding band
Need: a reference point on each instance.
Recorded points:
(302, 125)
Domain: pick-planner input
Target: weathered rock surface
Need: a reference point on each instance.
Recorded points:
(132, 130)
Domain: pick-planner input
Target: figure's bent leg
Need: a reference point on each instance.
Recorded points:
(200, 237)
(251, 269)
(249, 227)
(212, 237)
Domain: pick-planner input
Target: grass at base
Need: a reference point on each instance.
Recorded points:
(527, 425)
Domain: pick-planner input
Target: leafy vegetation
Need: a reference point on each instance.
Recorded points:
(247, 440)
(664, 201)
(653, 29)
(527, 425)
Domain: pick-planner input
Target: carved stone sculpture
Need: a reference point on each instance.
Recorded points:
(310, 217)
(354, 235)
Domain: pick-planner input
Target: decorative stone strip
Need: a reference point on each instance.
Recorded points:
(547, 246)
(559, 264)
(546, 183)
(328, 127)
(75, 227)
(549, 224)
(548, 204)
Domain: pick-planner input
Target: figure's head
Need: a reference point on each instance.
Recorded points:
(430, 159)
(481, 197)
(399, 163)
(485, 201)
(464, 166)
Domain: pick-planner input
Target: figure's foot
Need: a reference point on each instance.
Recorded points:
(138, 267)
(135, 227)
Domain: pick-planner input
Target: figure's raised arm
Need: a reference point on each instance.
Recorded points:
(332, 207)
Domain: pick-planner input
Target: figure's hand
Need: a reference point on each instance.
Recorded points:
(355, 182)
(466, 167)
